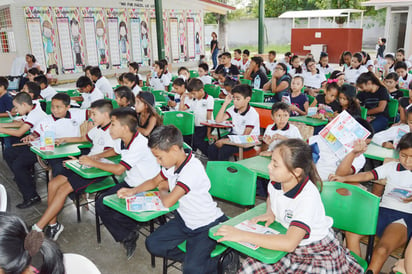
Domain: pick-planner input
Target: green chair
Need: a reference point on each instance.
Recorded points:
(159, 95)
(245, 81)
(48, 107)
(327, 76)
(310, 99)
(364, 112)
(405, 92)
(352, 209)
(218, 105)
(145, 88)
(194, 74)
(393, 106)
(212, 90)
(184, 121)
(114, 103)
(258, 96)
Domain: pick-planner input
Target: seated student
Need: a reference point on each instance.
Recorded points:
(279, 84)
(279, 130)
(124, 97)
(221, 77)
(323, 65)
(101, 82)
(134, 68)
(405, 78)
(237, 58)
(6, 101)
(33, 73)
(20, 249)
(182, 179)
(166, 72)
(346, 60)
(201, 104)
(355, 70)
(130, 80)
(19, 158)
(158, 80)
(139, 164)
(204, 76)
(257, 72)
(120, 80)
(296, 68)
(404, 104)
(245, 60)
(47, 92)
(184, 73)
(348, 102)
(394, 220)
(390, 64)
(245, 120)
(375, 97)
(147, 117)
(299, 101)
(314, 80)
(328, 99)
(179, 87)
(227, 66)
(68, 181)
(33, 89)
(228, 85)
(295, 202)
(89, 92)
(367, 62)
(391, 83)
(338, 77)
(271, 63)
(87, 72)
(286, 60)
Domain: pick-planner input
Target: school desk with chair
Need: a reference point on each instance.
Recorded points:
(376, 152)
(258, 164)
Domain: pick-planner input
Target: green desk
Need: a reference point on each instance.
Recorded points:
(61, 151)
(258, 164)
(309, 120)
(262, 105)
(262, 254)
(4, 120)
(90, 172)
(84, 145)
(376, 152)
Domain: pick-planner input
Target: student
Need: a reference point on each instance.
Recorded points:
(101, 82)
(31, 62)
(182, 179)
(295, 202)
(203, 71)
(158, 81)
(68, 181)
(130, 80)
(391, 83)
(280, 130)
(228, 85)
(348, 102)
(367, 62)
(166, 72)
(19, 158)
(221, 76)
(89, 92)
(356, 69)
(314, 80)
(400, 57)
(389, 65)
(339, 76)
(227, 65)
(256, 74)
(323, 65)
(33, 89)
(201, 104)
(404, 104)
(134, 68)
(6, 101)
(394, 220)
(237, 58)
(147, 117)
(124, 97)
(179, 87)
(120, 80)
(33, 73)
(271, 64)
(184, 73)
(405, 78)
(19, 248)
(346, 60)
(244, 65)
(139, 164)
(245, 120)
(279, 84)
(47, 92)
(375, 97)
(87, 72)
(296, 68)
(299, 101)
(328, 99)
(380, 47)
(286, 60)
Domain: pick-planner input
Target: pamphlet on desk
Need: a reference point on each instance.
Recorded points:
(46, 141)
(244, 139)
(224, 123)
(398, 137)
(256, 228)
(145, 201)
(400, 193)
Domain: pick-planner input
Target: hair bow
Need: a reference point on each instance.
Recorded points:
(330, 81)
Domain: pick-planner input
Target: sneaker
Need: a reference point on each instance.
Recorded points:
(54, 231)
(30, 202)
(130, 244)
(231, 262)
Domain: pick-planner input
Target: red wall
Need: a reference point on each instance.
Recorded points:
(337, 41)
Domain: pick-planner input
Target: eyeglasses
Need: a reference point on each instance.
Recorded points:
(278, 68)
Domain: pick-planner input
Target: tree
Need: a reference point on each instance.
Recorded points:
(274, 8)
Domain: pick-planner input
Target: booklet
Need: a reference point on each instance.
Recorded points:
(286, 100)
(145, 201)
(256, 228)
(312, 111)
(244, 139)
(400, 193)
(224, 123)
(398, 137)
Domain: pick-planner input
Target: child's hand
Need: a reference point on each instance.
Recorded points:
(212, 137)
(267, 139)
(278, 136)
(171, 103)
(266, 153)
(293, 107)
(28, 139)
(268, 218)
(219, 143)
(71, 159)
(407, 199)
(125, 192)
(359, 147)
(336, 178)
(388, 145)
(229, 233)
(86, 160)
(60, 141)
(228, 99)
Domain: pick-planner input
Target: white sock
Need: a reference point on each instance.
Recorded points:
(36, 228)
(53, 225)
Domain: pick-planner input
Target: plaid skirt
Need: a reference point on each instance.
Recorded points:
(321, 257)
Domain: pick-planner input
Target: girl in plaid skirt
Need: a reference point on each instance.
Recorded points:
(294, 201)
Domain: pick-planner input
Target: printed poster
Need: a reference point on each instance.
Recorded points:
(112, 25)
(36, 44)
(174, 41)
(190, 23)
(118, 37)
(194, 32)
(166, 35)
(140, 36)
(178, 35)
(153, 34)
(65, 44)
(91, 47)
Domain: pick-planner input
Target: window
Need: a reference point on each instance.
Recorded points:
(7, 40)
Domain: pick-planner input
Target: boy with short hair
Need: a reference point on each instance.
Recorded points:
(89, 92)
(47, 92)
(33, 73)
(6, 101)
(182, 179)
(237, 58)
(401, 68)
(101, 82)
(202, 106)
(204, 76)
(139, 164)
(33, 89)
(68, 181)
(244, 65)
(20, 159)
(381, 47)
(271, 64)
(245, 120)
(227, 66)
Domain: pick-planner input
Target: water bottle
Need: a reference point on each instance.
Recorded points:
(256, 83)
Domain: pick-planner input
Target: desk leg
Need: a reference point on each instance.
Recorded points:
(151, 231)
(240, 153)
(98, 236)
(218, 133)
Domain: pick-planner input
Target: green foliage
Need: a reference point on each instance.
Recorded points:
(274, 8)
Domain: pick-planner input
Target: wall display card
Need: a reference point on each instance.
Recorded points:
(34, 29)
(65, 43)
(112, 24)
(135, 37)
(122, 37)
(174, 40)
(190, 22)
(153, 33)
(140, 32)
(90, 35)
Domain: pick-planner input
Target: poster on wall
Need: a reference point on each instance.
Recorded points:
(34, 30)
(166, 35)
(135, 38)
(112, 25)
(153, 34)
(140, 36)
(119, 35)
(91, 48)
(174, 40)
(190, 23)
(195, 16)
(178, 35)
(65, 44)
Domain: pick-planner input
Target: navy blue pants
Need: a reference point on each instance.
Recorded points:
(214, 57)
(379, 123)
(164, 241)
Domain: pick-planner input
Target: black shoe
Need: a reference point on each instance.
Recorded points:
(30, 202)
(130, 244)
(231, 262)
(54, 231)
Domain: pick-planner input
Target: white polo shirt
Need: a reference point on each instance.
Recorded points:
(324, 70)
(34, 117)
(159, 83)
(404, 83)
(105, 87)
(136, 90)
(138, 160)
(389, 134)
(48, 93)
(68, 126)
(200, 107)
(237, 62)
(302, 207)
(89, 98)
(313, 80)
(100, 137)
(328, 161)
(248, 119)
(271, 66)
(289, 131)
(351, 74)
(397, 177)
(196, 207)
(244, 66)
(206, 79)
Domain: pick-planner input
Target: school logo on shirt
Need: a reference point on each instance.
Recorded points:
(75, 123)
(100, 141)
(288, 215)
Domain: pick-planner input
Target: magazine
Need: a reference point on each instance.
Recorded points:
(244, 139)
(312, 111)
(398, 137)
(400, 193)
(145, 201)
(256, 228)
(224, 123)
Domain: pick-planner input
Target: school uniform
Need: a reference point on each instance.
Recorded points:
(200, 109)
(391, 209)
(160, 82)
(237, 62)
(389, 135)
(289, 131)
(21, 160)
(6, 104)
(324, 70)
(240, 121)
(371, 100)
(298, 101)
(232, 70)
(271, 66)
(140, 166)
(197, 212)
(177, 100)
(314, 81)
(328, 161)
(352, 74)
(244, 65)
(88, 98)
(136, 89)
(105, 87)
(319, 251)
(296, 71)
(206, 79)
(404, 82)
(48, 93)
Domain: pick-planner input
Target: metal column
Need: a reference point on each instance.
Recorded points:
(159, 29)
(261, 27)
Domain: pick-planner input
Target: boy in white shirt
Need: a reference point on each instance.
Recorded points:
(159, 79)
(130, 80)
(89, 92)
(244, 65)
(237, 58)
(101, 82)
(47, 92)
(271, 64)
(404, 77)
(203, 71)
